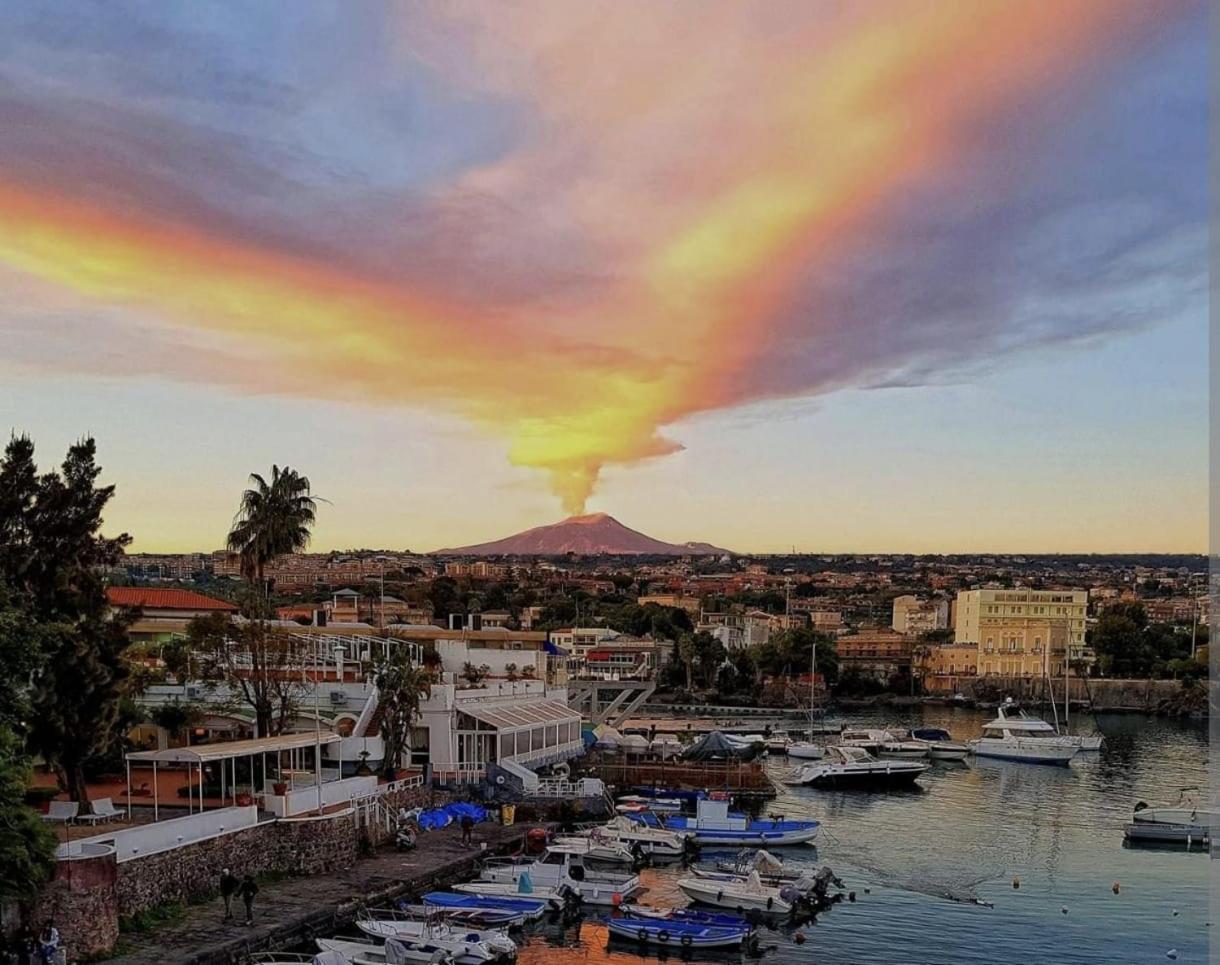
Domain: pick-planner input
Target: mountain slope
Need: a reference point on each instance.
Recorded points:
(592, 535)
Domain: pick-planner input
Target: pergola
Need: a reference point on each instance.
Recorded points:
(226, 751)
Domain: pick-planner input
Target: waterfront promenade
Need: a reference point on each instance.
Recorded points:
(296, 910)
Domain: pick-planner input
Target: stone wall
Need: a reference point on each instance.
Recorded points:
(375, 833)
(297, 846)
(80, 899)
(1102, 694)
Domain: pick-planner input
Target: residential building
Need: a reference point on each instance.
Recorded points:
(913, 615)
(164, 612)
(879, 653)
(1022, 632)
(683, 602)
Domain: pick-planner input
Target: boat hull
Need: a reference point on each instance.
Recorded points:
(720, 894)
(872, 778)
(1026, 751)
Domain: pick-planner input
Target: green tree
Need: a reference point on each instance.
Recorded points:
(176, 716)
(687, 652)
(27, 845)
(255, 663)
(790, 652)
(401, 687)
(52, 556)
(274, 519)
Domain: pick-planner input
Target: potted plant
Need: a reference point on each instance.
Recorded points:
(244, 799)
(363, 769)
(280, 788)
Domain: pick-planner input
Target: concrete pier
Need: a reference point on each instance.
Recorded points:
(296, 910)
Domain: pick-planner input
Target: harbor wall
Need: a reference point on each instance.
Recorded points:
(1100, 694)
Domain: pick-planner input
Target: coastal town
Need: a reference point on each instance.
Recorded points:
(297, 714)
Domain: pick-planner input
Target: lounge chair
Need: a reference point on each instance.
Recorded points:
(62, 812)
(103, 810)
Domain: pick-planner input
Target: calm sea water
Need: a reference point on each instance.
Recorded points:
(969, 831)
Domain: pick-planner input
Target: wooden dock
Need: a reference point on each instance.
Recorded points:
(742, 778)
(294, 911)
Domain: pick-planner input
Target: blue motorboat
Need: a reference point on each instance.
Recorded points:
(683, 934)
(687, 915)
(715, 824)
(529, 907)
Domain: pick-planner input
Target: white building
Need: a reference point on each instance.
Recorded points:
(913, 615)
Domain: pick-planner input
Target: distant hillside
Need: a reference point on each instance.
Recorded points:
(594, 535)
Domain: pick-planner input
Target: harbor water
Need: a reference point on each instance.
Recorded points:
(921, 862)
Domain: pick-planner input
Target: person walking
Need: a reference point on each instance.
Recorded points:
(467, 830)
(228, 888)
(247, 891)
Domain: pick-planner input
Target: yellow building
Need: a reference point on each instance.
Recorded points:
(1022, 632)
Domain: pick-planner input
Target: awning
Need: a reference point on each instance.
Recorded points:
(225, 750)
(522, 714)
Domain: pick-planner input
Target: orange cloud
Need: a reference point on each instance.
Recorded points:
(709, 154)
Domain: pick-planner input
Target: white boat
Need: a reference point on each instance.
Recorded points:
(941, 745)
(1090, 743)
(1016, 736)
(746, 894)
(771, 870)
(869, 740)
(1186, 813)
(900, 745)
(658, 842)
(555, 897)
(593, 846)
(665, 745)
(856, 767)
(559, 872)
(363, 951)
(468, 946)
(324, 957)
(806, 750)
(778, 745)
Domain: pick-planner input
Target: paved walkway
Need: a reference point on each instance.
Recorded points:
(297, 910)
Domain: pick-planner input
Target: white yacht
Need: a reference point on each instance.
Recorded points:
(1016, 736)
(856, 767)
(594, 847)
(1184, 821)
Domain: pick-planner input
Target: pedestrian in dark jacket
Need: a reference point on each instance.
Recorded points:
(247, 891)
(467, 829)
(228, 888)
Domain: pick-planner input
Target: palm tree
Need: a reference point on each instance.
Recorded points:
(273, 519)
(401, 687)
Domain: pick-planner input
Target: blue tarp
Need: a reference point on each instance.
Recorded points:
(435, 818)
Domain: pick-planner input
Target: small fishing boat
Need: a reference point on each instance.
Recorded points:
(468, 946)
(530, 908)
(1016, 736)
(594, 846)
(855, 767)
(466, 917)
(1091, 742)
(520, 887)
(899, 745)
(718, 919)
(656, 842)
(636, 803)
(771, 869)
(806, 750)
(748, 894)
(1181, 823)
(686, 935)
(364, 951)
(715, 824)
(941, 745)
(558, 872)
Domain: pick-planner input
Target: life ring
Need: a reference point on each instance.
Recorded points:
(561, 770)
(663, 936)
(687, 941)
(500, 779)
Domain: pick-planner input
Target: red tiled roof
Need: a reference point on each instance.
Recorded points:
(153, 598)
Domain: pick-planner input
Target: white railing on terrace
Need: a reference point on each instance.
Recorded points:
(144, 839)
(461, 774)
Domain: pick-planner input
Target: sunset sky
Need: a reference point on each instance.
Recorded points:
(874, 276)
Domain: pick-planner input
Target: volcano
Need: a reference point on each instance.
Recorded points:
(596, 534)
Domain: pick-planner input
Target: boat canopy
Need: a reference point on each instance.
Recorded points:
(931, 734)
(716, 746)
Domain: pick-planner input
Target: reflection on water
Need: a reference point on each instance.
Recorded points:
(916, 859)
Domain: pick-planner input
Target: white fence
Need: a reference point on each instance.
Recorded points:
(305, 799)
(145, 839)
